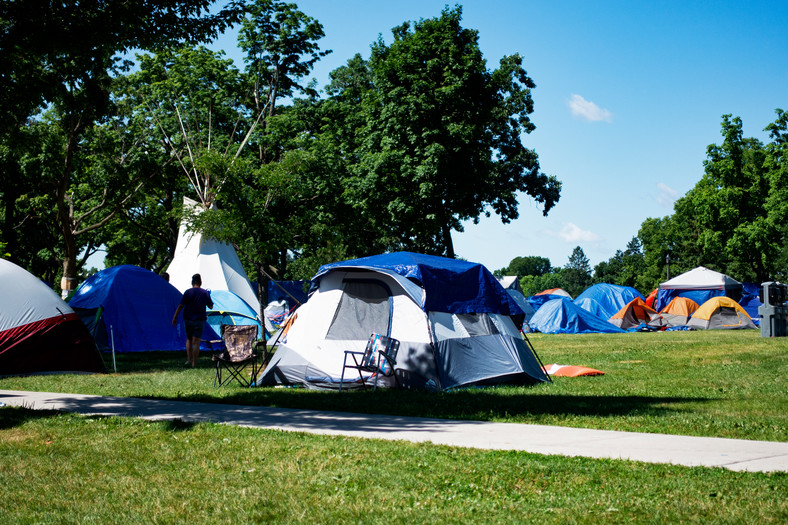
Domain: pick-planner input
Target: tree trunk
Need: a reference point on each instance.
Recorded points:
(447, 242)
(68, 282)
(65, 216)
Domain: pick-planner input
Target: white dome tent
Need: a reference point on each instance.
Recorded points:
(452, 318)
(39, 332)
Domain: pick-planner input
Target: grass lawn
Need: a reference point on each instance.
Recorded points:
(63, 468)
(706, 383)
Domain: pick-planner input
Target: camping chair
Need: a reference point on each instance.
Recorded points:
(237, 355)
(378, 358)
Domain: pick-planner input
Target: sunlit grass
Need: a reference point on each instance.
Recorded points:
(62, 468)
(712, 383)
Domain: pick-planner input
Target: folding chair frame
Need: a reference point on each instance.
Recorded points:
(373, 363)
(235, 368)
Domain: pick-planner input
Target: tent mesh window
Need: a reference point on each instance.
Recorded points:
(364, 309)
(728, 317)
(477, 324)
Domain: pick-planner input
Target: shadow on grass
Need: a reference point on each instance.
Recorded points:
(481, 404)
(380, 412)
(11, 417)
(141, 362)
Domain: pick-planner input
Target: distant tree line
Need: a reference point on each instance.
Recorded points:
(99, 148)
(734, 221)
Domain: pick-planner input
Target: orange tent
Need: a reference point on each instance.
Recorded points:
(652, 297)
(678, 311)
(720, 313)
(634, 313)
(555, 291)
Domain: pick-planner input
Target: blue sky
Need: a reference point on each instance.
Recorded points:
(628, 97)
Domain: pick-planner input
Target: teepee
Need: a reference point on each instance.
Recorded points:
(216, 262)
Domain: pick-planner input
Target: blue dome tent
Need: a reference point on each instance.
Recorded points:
(228, 308)
(131, 308)
(562, 316)
(604, 300)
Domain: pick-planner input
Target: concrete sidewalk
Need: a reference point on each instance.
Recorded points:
(733, 454)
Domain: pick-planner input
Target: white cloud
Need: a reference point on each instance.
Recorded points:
(587, 110)
(572, 233)
(667, 195)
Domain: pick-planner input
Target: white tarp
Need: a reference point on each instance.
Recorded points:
(700, 278)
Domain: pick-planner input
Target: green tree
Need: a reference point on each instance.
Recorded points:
(280, 48)
(63, 55)
(534, 284)
(440, 136)
(522, 266)
(733, 220)
(268, 188)
(722, 218)
(577, 272)
(776, 205)
(624, 268)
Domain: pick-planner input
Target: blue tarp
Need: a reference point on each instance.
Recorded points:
(751, 301)
(450, 285)
(286, 291)
(664, 297)
(136, 303)
(562, 316)
(536, 301)
(604, 300)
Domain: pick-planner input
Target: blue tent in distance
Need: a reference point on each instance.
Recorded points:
(536, 301)
(604, 300)
(562, 316)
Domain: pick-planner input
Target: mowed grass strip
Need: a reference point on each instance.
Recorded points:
(64, 468)
(706, 383)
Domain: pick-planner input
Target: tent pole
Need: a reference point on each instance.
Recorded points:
(112, 340)
(538, 359)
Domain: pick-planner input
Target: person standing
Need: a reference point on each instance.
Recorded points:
(193, 304)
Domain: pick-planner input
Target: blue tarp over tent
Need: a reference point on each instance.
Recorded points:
(604, 300)
(536, 301)
(418, 300)
(286, 291)
(136, 303)
(562, 316)
(751, 301)
(449, 285)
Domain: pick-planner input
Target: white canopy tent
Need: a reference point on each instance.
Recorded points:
(699, 284)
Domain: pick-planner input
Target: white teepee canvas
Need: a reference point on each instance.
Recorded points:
(216, 262)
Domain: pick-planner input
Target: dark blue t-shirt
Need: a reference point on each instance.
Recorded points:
(194, 301)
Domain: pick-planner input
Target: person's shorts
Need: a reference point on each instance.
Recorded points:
(194, 328)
